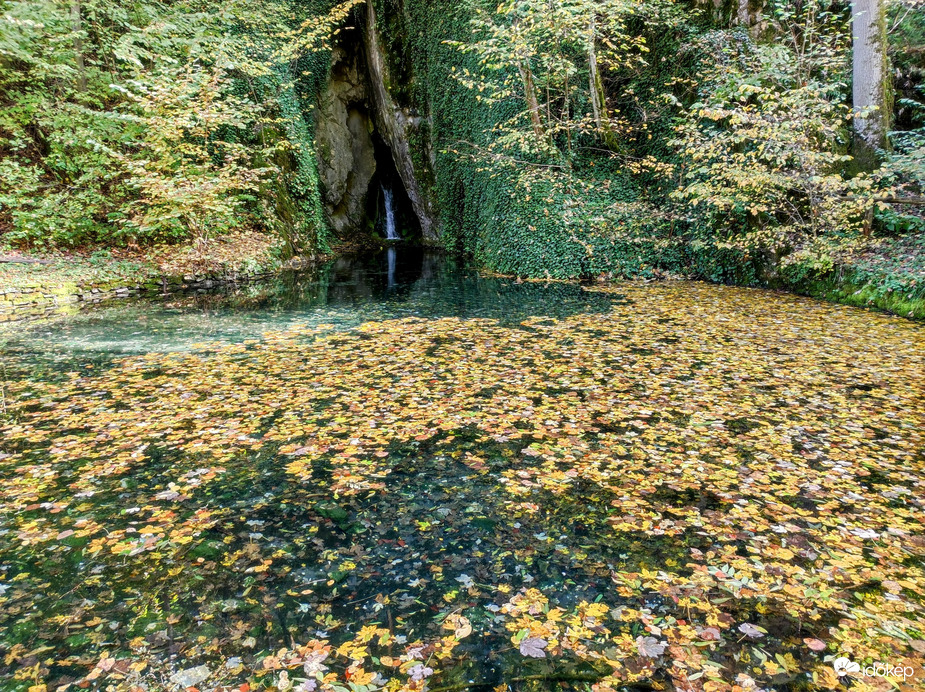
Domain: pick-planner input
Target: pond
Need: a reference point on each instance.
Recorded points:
(395, 473)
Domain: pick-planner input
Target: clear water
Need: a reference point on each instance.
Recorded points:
(400, 282)
(496, 436)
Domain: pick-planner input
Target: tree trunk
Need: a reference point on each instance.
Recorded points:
(870, 88)
(596, 86)
(77, 28)
(743, 16)
(594, 76)
(532, 102)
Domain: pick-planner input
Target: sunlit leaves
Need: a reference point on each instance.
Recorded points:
(153, 121)
(189, 171)
(699, 485)
(548, 58)
(764, 147)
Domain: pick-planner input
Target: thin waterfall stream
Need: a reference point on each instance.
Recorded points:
(390, 232)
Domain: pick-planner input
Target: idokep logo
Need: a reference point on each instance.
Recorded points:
(845, 666)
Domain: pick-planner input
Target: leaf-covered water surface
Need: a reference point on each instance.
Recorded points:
(692, 487)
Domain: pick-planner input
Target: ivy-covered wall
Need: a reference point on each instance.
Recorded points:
(594, 218)
(580, 223)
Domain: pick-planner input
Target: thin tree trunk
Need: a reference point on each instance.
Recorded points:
(566, 115)
(596, 86)
(870, 71)
(593, 75)
(77, 28)
(532, 102)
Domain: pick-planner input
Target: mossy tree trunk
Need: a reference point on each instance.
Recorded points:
(77, 28)
(596, 87)
(533, 104)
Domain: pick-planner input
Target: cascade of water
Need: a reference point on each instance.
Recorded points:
(390, 232)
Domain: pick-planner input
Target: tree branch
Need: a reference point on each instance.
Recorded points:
(640, 686)
(889, 200)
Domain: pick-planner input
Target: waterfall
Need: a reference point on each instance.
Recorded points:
(390, 232)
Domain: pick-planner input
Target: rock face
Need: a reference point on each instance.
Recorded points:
(358, 120)
(395, 124)
(346, 154)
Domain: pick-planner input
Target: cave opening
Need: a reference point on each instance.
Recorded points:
(363, 193)
(391, 197)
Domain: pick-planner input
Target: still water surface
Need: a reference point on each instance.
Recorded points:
(395, 440)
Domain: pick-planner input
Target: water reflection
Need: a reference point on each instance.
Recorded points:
(392, 253)
(400, 282)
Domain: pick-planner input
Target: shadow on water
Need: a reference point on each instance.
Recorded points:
(434, 531)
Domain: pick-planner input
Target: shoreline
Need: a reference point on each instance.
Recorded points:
(34, 288)
(42, 300)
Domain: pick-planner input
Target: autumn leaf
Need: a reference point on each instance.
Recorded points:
(533, 647)
(650, 647)
(814, 644)
(752, 631)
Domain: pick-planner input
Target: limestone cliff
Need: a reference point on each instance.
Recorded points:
(364, 138)
(346, 155)
(396, 125)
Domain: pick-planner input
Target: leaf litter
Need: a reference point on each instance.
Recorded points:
(703, 488)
